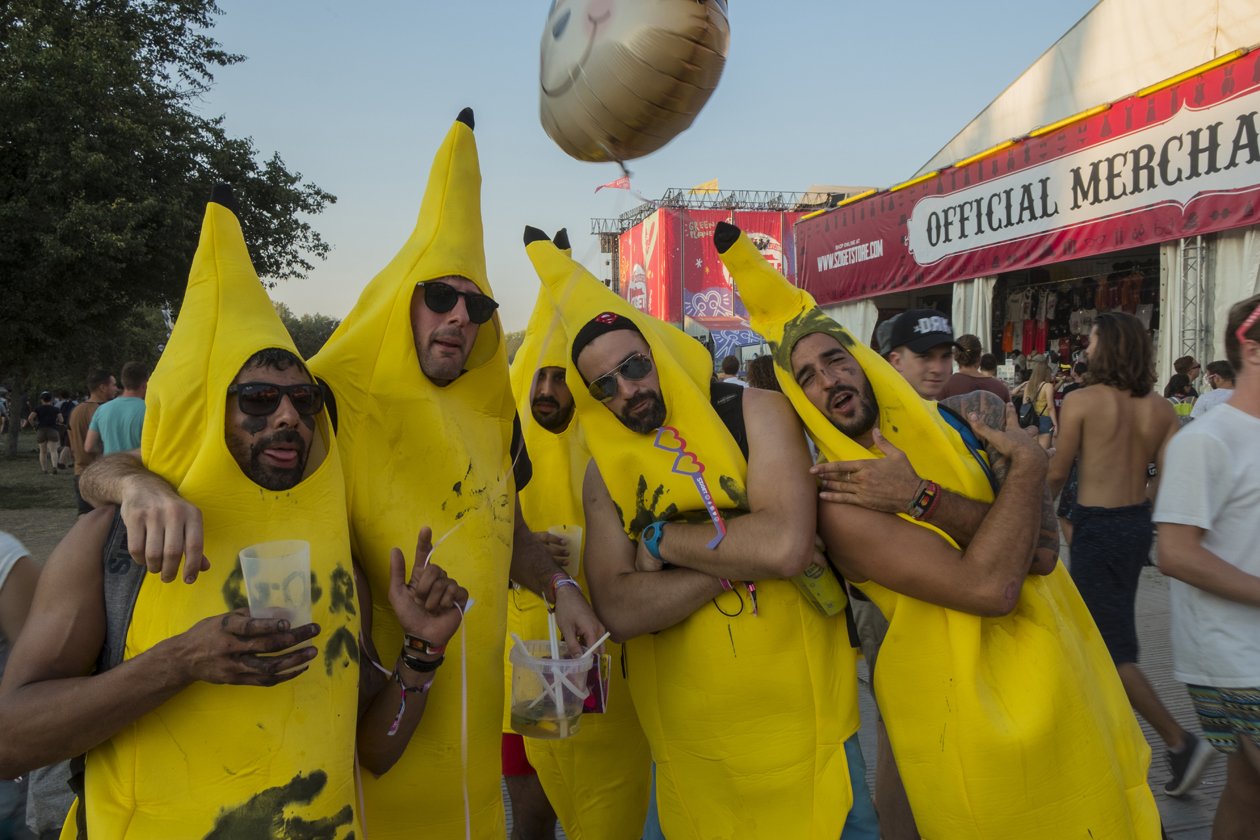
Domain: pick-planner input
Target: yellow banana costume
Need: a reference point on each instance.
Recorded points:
(234, 761)
(597, 781)
(419, 454)
(1002, 727)
(746, 715)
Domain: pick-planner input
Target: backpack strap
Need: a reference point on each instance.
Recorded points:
(974, 446)
(121, 579)
(728, 401)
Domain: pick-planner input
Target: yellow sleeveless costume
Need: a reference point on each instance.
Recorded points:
(234, 761)
(1010, 727)
(746, 715)
(419, 454)
(597, 781)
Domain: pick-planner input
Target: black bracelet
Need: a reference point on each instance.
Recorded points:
(421, 666)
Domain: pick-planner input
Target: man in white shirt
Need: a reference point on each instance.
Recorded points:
(1220, 375)
(1208, 533)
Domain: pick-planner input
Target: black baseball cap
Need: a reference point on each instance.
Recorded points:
(921, 330)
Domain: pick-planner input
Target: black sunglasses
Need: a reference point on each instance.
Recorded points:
(634, 368)
(261, 399)
(442, 298)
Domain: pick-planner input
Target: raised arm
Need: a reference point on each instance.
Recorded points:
(534, 568)
(983, 579)
(161, 526)
(429, 606)
(49, 693)
(628, 601)
(775, 539)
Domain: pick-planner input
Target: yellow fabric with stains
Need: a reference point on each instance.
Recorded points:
(746, 716)
(420, 454)
(215, 760)
(1002, 727)
(597, 780)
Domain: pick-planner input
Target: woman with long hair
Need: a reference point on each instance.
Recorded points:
(1039, 392)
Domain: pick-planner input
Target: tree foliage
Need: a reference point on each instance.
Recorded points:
(309, 332)
(105, 168)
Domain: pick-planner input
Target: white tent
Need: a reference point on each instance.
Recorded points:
(1118, 48)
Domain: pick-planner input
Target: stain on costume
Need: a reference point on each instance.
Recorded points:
(342, 586)
(262, 816)
(342, 648)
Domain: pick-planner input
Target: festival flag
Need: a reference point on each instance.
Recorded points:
(622, 183)
(707, 188)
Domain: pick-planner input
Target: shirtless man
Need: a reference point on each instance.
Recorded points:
(1118, 425)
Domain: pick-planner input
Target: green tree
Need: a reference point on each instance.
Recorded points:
(104, 172)
(309, 332)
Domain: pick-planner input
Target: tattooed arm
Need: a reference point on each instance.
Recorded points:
(993, 410)
(889, 484)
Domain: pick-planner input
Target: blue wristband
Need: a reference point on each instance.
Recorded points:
(651, 537)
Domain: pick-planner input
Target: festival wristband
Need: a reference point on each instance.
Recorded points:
(403, 691)
(420, 666)
(424, 646)
(925, 500)
(651, 537)
(558, 580)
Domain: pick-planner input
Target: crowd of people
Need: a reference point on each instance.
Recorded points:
(725, 547)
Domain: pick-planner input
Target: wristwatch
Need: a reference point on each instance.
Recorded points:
(651, 537)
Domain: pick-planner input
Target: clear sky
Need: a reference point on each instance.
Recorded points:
(357, 97)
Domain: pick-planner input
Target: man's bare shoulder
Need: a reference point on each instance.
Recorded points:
(82, 544)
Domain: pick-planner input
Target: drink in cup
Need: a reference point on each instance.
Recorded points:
(278, 580)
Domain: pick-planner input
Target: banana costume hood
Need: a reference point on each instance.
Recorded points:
(1003, 727)
(416, 454)
(597, 780)
(287, 747)
(746, 715)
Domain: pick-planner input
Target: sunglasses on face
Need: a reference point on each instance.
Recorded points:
(441, 298)
(261, 399)
(634, 368)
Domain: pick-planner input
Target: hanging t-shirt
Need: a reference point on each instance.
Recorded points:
(1008, 337)
(1211, 481)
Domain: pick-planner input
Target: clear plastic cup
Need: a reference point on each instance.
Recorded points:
(278, 580)
(547, 694)
(573, 537)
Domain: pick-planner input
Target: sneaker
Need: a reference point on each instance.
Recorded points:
(1188, 765)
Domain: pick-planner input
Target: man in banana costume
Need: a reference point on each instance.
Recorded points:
(417, 376)
(1005, 714)
(597, 780)
(746, 692)
(180, 740)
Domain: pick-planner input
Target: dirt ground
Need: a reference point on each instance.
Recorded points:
(39, 529)
(38, 509)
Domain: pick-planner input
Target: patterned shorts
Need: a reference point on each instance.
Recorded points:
(1227, 714)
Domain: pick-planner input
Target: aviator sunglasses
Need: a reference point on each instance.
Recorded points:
(261, 399)
(634, 368)
(442, 298)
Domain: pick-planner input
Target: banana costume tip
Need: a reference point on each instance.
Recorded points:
(222, 195)
(562, 239)
(724, 236)
(466, 117)
(533, 234)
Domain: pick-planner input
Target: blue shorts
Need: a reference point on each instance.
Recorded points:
(1109, 548)
(1044, 425)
